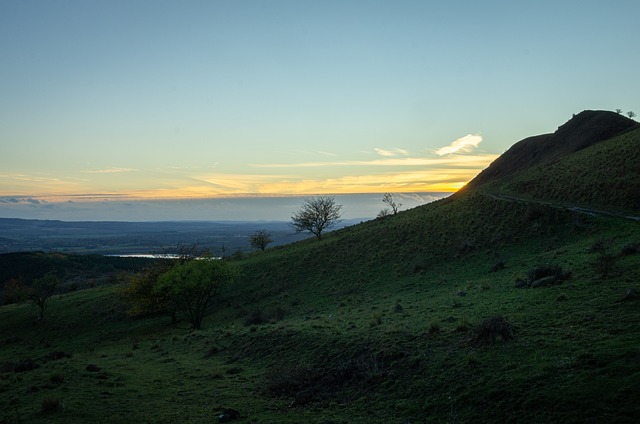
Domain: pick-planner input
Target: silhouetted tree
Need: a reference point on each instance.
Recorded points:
(384, 213)
(388, 199)
(619, 111)
(41, 290)
(260, 239)
(631, 114)
(317, 215)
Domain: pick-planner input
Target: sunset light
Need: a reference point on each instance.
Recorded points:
(133, 101)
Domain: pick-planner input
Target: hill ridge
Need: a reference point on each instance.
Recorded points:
(583, 130)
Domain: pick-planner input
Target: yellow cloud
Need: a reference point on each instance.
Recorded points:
(453, 161)
(381, 174)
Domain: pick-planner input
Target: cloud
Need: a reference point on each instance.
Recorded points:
(21, 200)
(476, 161)
(392, 152)
(461, 145)
(110, 171)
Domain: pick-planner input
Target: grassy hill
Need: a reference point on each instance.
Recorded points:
(585, 129)
(389, 321)
(605, 176)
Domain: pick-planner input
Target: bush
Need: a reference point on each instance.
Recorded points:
(258, 317)
(605, 260)
(56, 378)
(543, 271)
(255, 318)
(543, 276)
(434, 326)
(488, 331)
(50, 405)
(289, 380)
(463, 325)
(376, 319)
(630, 249)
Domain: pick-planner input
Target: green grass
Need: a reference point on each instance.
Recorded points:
(374, 323)
(606, 175)
(333, 344)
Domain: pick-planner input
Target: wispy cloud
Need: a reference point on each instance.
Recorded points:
(30, 178)
(461, 145)
(453, 160)
(391, 152)
(21, 200)
(315, 153)
(376, 171)
(110, 171)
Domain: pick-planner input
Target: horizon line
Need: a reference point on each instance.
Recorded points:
(132, 197)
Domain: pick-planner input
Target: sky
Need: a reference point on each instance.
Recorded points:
(149, 100)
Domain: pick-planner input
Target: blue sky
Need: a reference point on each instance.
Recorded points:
(192, 99)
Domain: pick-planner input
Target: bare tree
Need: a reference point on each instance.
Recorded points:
(384, 213)
(260, 239)
(619, 111)
(42, 289)
(631, 114)
(388, 199)
(317, 215)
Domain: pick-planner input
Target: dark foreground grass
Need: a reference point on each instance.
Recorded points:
(347, 331)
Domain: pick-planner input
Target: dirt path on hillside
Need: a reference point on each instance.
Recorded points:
(573, 208)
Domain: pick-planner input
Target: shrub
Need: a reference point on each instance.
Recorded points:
(50, 405)
(488, 331)
(434, 326)
(463, 325)
(544, 275)
(376, 319)
(289, 380)
(259, 317)
(255, 318)
(193, 285)
(630, 249)
(497, 266)
(142, 299)
(472, 359)
(24, 365)
(56, 378)
(605, 260)
(543, 271)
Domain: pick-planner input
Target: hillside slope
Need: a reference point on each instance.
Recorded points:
(583, 130)
(605, 175)
(417, 317)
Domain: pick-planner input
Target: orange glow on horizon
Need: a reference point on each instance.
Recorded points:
(447, 174)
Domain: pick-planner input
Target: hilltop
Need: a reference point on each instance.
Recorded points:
(582, 131)
(502, 303)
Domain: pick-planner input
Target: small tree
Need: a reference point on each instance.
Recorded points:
(181, 253)
(388, 199)
(141, 297)
(631, 114)
(619, 111)
(317, 215)
(260, 239)
(41, 290)
(193, 285)
(384, 213)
